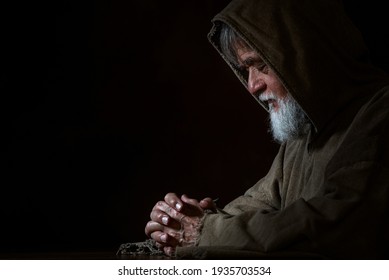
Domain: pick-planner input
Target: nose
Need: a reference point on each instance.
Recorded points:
(255, 83)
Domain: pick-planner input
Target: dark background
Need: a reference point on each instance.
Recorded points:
(109, 105)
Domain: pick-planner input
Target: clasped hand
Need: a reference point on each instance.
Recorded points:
(176, 221)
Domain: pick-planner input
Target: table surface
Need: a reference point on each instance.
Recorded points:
(108, 255)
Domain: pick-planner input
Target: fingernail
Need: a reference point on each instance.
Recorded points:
(178, 206)
(165, 220)
(164, 238)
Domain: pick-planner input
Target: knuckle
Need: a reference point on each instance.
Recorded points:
(159, 216)
(156, 206)
(175, 234)
(160, 204)
(169, 196)
(154, 216)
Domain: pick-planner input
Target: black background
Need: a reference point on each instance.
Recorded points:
(109, 105)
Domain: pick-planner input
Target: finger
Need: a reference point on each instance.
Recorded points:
(174, 201)
(192, 207)
(162, 218)
(189, 200)
(157, 227)
(208, 203)
(152, 226)
(162, 234)
(171, 212)
(159, 237)
(164, 239)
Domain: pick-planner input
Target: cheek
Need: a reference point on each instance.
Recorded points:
(282, 91)
(276, 86)
(278, 89)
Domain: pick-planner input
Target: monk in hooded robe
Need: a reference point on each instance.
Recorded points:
(326, 194)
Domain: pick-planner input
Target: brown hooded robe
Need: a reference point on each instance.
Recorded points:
(326, 194)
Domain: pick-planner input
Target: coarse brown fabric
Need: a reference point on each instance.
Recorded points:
(326, 194)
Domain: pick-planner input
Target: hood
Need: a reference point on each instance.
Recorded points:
(312, 46)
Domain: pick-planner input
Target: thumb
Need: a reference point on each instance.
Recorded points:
(208, 204)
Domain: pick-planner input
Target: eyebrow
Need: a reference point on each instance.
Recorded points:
(250, 61)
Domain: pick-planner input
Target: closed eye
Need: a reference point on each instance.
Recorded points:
(253, 62)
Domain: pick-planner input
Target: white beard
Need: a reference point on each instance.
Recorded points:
(289, 121)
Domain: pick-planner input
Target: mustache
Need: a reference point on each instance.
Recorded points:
(271, 99)
(264, 97)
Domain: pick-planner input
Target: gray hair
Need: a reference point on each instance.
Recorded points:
(229, 41)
